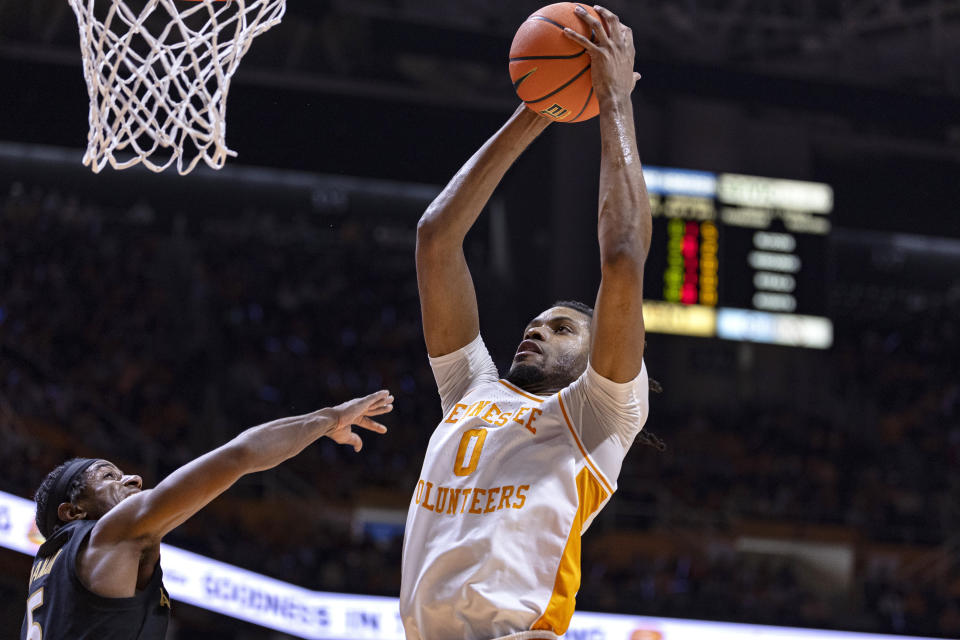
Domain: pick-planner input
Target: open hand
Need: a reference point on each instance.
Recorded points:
(358, 412)
(611, 54)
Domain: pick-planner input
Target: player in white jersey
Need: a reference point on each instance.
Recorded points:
(518, 468)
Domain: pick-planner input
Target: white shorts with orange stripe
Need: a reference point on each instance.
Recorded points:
(509, 483)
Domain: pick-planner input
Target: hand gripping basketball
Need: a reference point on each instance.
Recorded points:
(611, 53)
(550, 73)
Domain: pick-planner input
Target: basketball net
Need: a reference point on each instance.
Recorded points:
(158, 73)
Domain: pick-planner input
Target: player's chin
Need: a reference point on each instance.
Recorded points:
(524, 372)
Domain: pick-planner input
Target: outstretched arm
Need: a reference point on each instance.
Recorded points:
(144, 518)
(624, 223)
(447, 298)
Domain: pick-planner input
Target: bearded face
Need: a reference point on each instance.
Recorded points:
(554, 351)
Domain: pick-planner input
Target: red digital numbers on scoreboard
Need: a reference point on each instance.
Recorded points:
(691, 263)
(692, 266)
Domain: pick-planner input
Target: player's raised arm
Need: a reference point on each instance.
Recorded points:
(145, 517)
(447, 297)
(624, 224)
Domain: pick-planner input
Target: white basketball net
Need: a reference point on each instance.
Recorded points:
(158, 73)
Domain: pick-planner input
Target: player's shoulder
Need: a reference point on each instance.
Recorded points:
(71, 534)
(591, 378)
(618, 405)
(52, 566)
(475, 348)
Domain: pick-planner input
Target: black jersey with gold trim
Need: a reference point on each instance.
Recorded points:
(60, 607)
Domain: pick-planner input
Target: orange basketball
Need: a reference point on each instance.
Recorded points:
(550, 72)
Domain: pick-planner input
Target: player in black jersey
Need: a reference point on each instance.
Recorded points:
(98, 574)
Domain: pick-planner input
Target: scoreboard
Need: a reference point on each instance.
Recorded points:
(738, 257)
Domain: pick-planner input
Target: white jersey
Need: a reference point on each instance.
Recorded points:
(509, 483)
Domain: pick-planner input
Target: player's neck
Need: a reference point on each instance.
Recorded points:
(543, 389)
(540, 388)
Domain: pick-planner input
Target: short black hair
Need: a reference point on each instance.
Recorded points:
(575, 304)
(42, 496)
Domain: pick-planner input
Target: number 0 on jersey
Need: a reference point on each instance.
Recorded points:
(476, 437)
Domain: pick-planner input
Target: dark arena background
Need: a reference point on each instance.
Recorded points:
(811, 374)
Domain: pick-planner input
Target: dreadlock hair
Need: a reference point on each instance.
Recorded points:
(651, 439)
(646, 436)
(42, 496)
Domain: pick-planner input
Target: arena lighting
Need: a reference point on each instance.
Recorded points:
(684, 320)
(680, 181)
(754, 191)
(316, 615)
(775, 328)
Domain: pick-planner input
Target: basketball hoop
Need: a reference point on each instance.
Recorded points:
(158, 73)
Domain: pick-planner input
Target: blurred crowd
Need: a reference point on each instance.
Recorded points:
(149, 339)
(876, 463)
